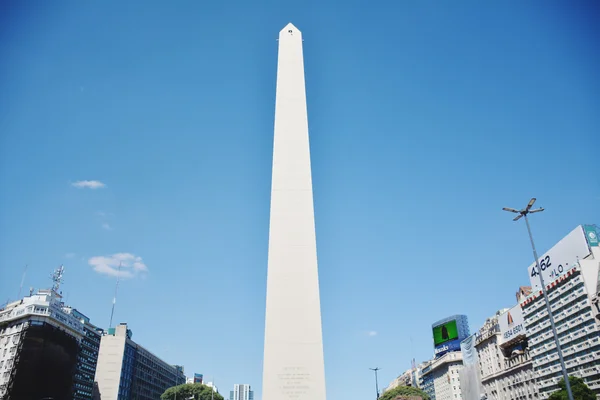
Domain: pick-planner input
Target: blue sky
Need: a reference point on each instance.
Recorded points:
(426, 119)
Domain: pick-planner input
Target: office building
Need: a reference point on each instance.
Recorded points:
(41, 342)
(293, 364)
(440, 379)
(505, 365)
(128, 371)
(241, 392)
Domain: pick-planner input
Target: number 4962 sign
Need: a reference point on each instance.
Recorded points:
(560, 258)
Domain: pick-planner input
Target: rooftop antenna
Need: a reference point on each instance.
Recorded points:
(22, 280)
(57, 278)
(115, 298)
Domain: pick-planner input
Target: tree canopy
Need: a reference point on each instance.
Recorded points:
(580, 390)
(403, 391)
(187, 390)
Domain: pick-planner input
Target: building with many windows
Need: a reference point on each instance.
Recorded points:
(40, 341)
(571, 297)
(443, 376)
(128, 371)
(426, 383)
(87, 357)
(241, 392)
(505, 364)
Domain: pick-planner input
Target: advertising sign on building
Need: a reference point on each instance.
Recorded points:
(453, 345)
(591, 234)
(445, 332)
(560, 258)
(511, 324)
(198, 378)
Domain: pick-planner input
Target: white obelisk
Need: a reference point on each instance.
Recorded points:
(293, 360)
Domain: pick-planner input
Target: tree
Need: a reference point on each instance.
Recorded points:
(187, 390)
(403, 391)
(580, 390)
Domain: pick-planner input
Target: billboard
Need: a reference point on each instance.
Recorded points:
(511, 324)
(560, 258)
(198, 378)
(453, 345)
(445, 333)
(591, 234)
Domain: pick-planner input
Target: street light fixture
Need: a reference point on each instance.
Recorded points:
(523, 213)
(376, 382)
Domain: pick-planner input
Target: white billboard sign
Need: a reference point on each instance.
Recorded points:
(511, 324)
(560, 258)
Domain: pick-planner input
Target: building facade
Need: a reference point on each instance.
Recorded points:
(40, 341)
(127, 371)
(83, 386)
(505, 365)
(571, 297)
(441, 378)
(426, 382)
(241, 392)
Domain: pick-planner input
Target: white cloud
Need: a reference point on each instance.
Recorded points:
(88, 184)
(131, 265)
(70, 255)
(372, 333)
(106, 226)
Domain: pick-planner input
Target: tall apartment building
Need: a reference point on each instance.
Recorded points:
(571, 297)
(504, 360)
(443, 377)
(127, 371)
(41, 342)
(241, 392)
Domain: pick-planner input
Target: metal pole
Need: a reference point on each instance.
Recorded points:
(376, 381)
(550, 316)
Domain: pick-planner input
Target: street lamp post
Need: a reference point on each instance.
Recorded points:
(376, 382)
(523, 213)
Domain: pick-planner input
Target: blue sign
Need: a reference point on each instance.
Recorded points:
(453, 345)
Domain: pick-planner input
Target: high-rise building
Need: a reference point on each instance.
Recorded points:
(83, 386)
(127, 371)
(41, 343)
(293, 365)
(241, 392)
(570, 271)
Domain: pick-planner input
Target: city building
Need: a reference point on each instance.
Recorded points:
(505, 366)
(440, 379)
(83, 386)
(241, 392)
(570, 272)
(426, 381)
(293, 365)
(128, 371)
(41, 342)
(405, 379)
